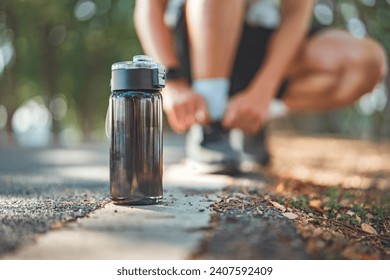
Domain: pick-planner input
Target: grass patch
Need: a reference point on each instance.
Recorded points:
(333, 195)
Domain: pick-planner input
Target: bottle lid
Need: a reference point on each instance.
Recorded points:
(140, 74)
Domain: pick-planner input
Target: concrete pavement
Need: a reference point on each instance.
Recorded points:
(55, 191)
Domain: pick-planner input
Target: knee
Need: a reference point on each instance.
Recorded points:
(322, 57)
(369, 58)
(337, 51)
(327, 52)
(365, 65)
(356, 65)
(377, 58)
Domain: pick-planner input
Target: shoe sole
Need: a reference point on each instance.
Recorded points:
(248, 166)
(207, 168)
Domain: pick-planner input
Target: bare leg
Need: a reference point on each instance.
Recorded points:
(334, 70)
(214, 28)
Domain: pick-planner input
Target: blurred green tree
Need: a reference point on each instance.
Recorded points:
(51, 48)
(65, 47)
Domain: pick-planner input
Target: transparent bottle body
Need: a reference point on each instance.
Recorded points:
(136, 159)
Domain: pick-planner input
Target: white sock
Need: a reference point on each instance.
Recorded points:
(215, 92)
(277, 109)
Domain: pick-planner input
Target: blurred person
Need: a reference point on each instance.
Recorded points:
(233, 64)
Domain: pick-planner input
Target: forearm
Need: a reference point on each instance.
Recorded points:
(284, 45)
(155, 36)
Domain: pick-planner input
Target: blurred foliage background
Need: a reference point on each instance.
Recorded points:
(55, 59)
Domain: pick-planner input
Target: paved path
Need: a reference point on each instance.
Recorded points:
(54, 203)
(57, 190)
(40, 188)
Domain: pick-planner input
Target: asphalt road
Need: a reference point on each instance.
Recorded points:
(54, 204)
(40, 188)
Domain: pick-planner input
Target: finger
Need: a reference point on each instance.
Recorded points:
(229, 118)
(200, 110)
(178, 118)
(175, 125)
(252, 127)
(202, 115)
(189, 111)
(245, 121)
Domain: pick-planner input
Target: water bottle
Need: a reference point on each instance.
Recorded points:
(135, 131)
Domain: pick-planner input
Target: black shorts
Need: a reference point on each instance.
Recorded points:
(249, 57)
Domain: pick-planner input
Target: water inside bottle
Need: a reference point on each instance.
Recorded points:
(136, 147)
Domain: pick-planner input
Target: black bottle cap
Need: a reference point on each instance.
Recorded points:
(140, 74)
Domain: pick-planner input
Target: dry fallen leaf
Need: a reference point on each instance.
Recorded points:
(316, 205)
(280, 188)
(290, 215)
(350, 213)
(368, 229)
(278, 206)
(369, 216)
